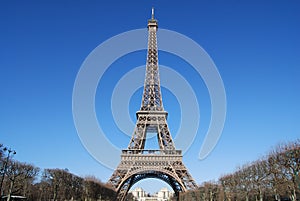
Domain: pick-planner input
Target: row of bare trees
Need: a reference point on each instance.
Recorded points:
(22, 179)
(274, 177)
(58, 184)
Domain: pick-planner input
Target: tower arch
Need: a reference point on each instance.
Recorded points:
(165, 176)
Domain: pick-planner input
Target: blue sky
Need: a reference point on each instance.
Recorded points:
(255, 46)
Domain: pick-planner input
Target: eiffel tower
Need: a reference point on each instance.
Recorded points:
(136, 162)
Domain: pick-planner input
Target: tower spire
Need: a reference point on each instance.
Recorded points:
(152, 16)
(152, 100)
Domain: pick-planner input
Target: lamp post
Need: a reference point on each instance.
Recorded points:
(4, 166)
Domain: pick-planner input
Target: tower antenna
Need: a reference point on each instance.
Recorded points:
(152, 13)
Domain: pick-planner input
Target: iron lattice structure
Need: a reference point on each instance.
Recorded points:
(136, 162)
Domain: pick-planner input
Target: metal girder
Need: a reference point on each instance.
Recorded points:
(153, 122)
(137, 165)
(152, 100)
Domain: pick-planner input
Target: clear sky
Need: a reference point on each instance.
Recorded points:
(255, 46)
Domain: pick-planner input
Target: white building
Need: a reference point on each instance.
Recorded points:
(138, 193)
(163, 195)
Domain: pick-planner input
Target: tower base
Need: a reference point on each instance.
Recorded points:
(136, 165)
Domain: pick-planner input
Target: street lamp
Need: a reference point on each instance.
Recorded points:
(4, 165)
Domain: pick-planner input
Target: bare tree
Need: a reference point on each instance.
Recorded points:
(54, 178)
(229, 184)
(1, 152)
(277, 176)
(288, 157)
(259, 177)
(94, 189)
(42, 191)
(211, 191)
(20, 178)
(243, 181)
(63, 184)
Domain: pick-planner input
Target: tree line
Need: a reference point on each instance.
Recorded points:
(27, 180)
(273, 177)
